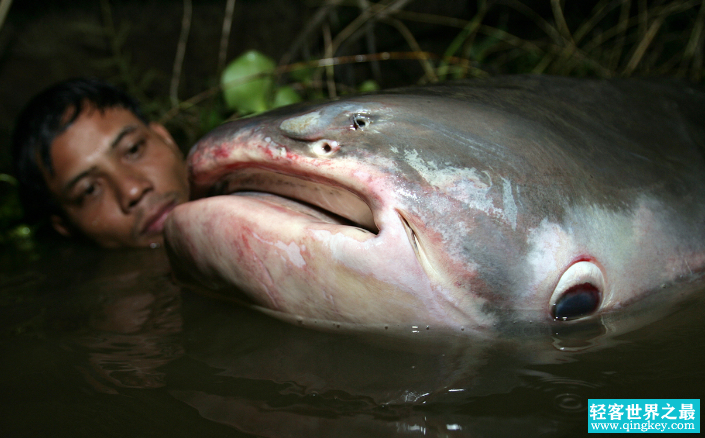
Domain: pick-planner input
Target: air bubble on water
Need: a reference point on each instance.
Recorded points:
(568, 402)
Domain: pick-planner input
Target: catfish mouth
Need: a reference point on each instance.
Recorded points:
(322, 201)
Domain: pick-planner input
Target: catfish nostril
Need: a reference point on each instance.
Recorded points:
(324, 147)
(360, 122)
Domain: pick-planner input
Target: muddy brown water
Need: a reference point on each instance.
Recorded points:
(105, 344)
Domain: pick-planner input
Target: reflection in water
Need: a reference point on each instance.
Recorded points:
(133, 314)
(532, 379)
(106, 344)
(134, 335)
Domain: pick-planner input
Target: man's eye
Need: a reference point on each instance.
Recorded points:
(135, 149)
(86, 192)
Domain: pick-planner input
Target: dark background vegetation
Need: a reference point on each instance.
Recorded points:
(136, 45)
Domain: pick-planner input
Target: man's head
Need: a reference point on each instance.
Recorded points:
(87, 159)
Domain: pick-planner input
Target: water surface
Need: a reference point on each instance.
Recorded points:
(104, 344)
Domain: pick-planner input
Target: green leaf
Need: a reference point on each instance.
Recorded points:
(244, 89)
(368, 86)
(210, 118)
(303, 75)
(285, 95)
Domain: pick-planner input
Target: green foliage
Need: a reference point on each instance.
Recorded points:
(210, 118)
(368, 86)
(247, 83)
(10, 207)
(303, 75)
(249, 88)
(12, 230)
(285, 95)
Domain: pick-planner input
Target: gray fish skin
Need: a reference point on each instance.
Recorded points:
(468, 205)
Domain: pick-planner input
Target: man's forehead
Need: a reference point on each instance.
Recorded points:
(94, 123)
(89, 113)
(93, 133)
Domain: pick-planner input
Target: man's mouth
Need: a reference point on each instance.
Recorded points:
(156, 218)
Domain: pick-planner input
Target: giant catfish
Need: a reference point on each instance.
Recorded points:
(460, 205)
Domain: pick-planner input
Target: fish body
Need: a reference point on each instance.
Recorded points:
(464, 205)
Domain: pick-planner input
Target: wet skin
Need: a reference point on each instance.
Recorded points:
(467, 205)
(116, 178)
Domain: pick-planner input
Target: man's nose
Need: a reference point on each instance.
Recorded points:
(131, 188)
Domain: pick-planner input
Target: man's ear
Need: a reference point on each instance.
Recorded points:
(60, 225)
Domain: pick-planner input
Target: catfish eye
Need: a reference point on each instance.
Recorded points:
(577, 301)
(578, 293)
(360, 122)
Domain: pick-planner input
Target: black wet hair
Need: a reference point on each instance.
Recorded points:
(47, 115)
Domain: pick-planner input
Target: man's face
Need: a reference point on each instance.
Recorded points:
(116, 178)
